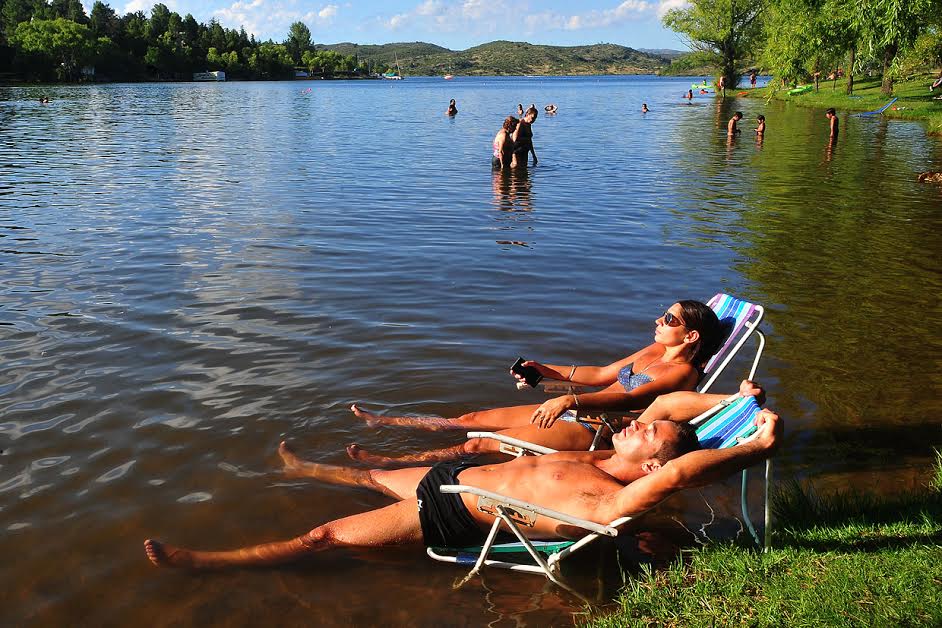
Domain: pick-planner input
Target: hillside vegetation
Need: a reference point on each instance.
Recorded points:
(505, 57)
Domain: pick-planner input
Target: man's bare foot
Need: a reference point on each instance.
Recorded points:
(293, 464)
(167, 555)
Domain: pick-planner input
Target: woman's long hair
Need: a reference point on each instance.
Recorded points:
(700, 317)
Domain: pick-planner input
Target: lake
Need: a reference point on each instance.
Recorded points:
(194, 272)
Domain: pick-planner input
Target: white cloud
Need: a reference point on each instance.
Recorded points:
(266, 17)
(327, 12)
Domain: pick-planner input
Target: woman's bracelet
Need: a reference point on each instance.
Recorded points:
(571, 373)
(575, 398)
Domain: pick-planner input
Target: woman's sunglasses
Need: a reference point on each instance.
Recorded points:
(672, 321)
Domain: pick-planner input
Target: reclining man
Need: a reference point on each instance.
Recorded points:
(598, 486)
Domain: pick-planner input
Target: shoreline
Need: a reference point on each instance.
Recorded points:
(914, 101)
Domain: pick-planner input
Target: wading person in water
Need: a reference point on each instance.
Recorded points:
(452, 108)
(644, 107)
(685, 337)
(732, 127)
(649, 463)
(835, 124)
(760, 130)
(523, 138)
(504, 144)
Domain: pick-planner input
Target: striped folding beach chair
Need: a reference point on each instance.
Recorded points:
(727, 424)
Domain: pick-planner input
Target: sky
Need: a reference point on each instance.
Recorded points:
(454, 24)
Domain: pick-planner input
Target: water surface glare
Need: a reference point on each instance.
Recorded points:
(193, 272)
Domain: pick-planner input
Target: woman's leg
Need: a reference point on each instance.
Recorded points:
(397, 524)
(495, 419)
(563, 436)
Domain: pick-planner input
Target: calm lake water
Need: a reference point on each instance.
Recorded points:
(193, 272)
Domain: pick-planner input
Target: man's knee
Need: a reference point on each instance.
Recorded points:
(318, 538)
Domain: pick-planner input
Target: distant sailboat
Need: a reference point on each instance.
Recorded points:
(394, 76)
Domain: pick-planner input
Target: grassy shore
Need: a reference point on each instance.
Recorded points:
(915, 101)
(841, 560)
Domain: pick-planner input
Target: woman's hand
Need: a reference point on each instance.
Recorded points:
(544, 371)
(545, 416)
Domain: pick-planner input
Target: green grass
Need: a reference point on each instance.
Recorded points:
(846, 559)
(914, 99)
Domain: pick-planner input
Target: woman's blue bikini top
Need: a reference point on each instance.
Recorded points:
(630, 380)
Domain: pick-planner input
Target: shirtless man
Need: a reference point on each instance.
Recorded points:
(732, 128)
(597, 486)
(760, 129)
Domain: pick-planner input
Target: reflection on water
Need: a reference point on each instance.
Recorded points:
(193, 273)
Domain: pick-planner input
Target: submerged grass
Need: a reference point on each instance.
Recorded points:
(914, 100)
(844, 559)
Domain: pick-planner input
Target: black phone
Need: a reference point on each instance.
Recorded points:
(528, 373)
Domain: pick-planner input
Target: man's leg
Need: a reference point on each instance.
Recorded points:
(397, 524)
(400, 484)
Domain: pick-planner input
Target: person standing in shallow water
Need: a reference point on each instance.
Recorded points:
(760, 130)
(835, 124)
(504, 144)
(732, 127)
(523, 139)
(644, 107)
(452, 108)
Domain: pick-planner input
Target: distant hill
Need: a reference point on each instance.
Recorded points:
(506, 57)
(667, 53)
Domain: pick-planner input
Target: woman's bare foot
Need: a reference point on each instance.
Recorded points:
(426, 423)
(294, 466)
(357, 453)
(167, 555)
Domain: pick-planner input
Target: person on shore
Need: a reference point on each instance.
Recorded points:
(689, 95)
(519, 110)
(760, 129)
(644, 107)
(835, 124)
(523, 139)
(685, 337)
(732, 127)
(649, 463)
(452, 108)
(936, 83)
(752, 79)
(721, 85)
(504, 144)
(551, 109)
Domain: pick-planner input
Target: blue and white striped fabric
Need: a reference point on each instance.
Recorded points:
(733, 313)
(735, 421)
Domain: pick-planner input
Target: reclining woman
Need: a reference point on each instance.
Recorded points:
(685, 337)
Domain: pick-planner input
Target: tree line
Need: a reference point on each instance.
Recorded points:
(800, 40)
(42, 40)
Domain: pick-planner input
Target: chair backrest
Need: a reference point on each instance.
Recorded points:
(730, 424)
(741, 318)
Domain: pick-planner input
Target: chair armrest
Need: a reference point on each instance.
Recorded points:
(585, 524)
(513, 442)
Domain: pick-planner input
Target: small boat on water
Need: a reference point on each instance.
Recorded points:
(218, 75)
(448, 77)
(394, 76)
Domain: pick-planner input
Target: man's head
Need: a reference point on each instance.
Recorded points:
(737, 115)
(652, 445)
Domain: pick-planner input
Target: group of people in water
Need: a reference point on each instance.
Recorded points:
(513, 143)
(646, 457)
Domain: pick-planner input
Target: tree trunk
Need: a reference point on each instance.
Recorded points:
(889, 53)
(850, 70)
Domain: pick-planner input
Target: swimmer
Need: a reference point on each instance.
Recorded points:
(644, 107)
(732, 128)
(760, 130)
(551, 109)
(452, 108)
(519, 110)
(689, 95)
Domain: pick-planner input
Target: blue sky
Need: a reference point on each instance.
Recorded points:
(455, 24)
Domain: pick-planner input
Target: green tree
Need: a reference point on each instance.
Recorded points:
(890, 27)
(299, 40)
(13, 12)
(730, 30)
(65, 45)
(70, 10)
(103, 21)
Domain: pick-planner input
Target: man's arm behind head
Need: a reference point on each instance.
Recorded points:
(699, 468)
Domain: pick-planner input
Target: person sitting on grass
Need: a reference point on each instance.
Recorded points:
(649, 463)
(685, 337)
(936, 83)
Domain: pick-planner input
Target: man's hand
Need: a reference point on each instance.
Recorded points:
(771, 429)
(545, 416)
(751, 389)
